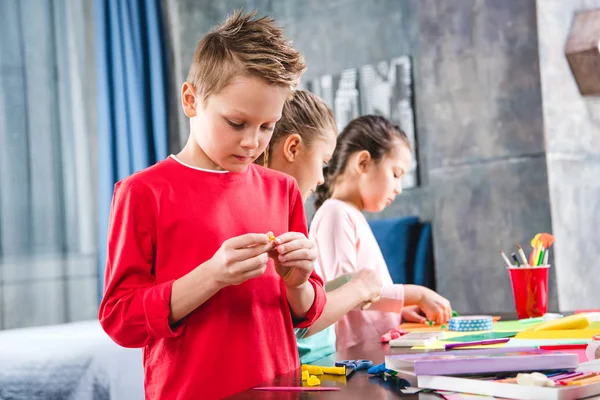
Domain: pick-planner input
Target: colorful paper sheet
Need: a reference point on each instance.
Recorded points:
(516, 326)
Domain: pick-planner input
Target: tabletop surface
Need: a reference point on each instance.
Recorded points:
(360, 386)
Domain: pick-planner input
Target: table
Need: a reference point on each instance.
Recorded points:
(359, 386)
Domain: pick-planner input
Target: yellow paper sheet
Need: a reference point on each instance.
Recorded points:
(559, 334)
(441, 345)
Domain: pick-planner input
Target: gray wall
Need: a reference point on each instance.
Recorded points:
(487, 169)
(572, 124)
(480, 122)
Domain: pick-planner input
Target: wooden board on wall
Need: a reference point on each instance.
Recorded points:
(583, 51)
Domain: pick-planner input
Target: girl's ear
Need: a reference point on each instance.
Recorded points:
(291, 147)
(188, 99)
(362, 161)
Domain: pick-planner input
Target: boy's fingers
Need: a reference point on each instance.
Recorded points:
(249, 252)
(288, 237)
(292, 245)
(249, 239)
(300, 254)
(258, 262)
(252, 274)
(303, 264)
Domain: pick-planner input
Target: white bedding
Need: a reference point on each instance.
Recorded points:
(75, 361)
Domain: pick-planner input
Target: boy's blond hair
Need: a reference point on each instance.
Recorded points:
(244, 45)
(306, 115)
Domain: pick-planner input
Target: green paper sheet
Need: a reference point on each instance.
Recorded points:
(515, 326)
(481, 336)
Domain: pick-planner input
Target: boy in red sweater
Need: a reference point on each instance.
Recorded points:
(208, 266)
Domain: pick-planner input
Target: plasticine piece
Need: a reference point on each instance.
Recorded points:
(334, 370)
(313, 381)
(312, 369)
(378, 369)
(534, 379)
(305, 375)
(392, 334)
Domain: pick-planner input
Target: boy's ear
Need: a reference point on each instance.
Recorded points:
(363, 160)
(291, 147)
(188, 99)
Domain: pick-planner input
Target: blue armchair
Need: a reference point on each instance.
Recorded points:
(407, 248)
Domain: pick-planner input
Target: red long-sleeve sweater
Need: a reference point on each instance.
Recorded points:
(165, 221)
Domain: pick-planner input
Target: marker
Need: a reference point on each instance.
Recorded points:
(522, 255)
(515, 259)
(477, 343)
(539, 255)
(565, 347)
(508, 264)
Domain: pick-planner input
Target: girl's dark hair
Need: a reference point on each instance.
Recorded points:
(372, 133)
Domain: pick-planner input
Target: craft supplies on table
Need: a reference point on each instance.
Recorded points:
(471, 323)
(593, 349)
(508, 389)
(416, 339)
(457, 345)
(320, 370)
(351, 366)
(480, 361)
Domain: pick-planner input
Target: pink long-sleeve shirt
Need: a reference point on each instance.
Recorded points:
(346, 244)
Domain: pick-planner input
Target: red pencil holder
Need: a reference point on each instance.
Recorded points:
(530, 290)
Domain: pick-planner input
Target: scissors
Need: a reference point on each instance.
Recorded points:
(354, 365)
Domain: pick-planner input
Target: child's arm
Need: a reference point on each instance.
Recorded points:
(364, 286)
(392, 299)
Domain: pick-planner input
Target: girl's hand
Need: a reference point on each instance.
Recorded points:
(413, 314)
(435, 307)
(294, 257)
(240, 258)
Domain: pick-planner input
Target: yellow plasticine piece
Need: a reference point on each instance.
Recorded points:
(577, 321)
(305, 375)
(334, 370)
(333, 378)
(313, 381)
(271, 238)
(312, 369)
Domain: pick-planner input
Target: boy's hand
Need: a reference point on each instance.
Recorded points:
(241, 258)
(413, 314)
(435, 307)
(294, 257)
(368, 286)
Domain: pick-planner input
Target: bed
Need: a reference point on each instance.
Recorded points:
(68, 361)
